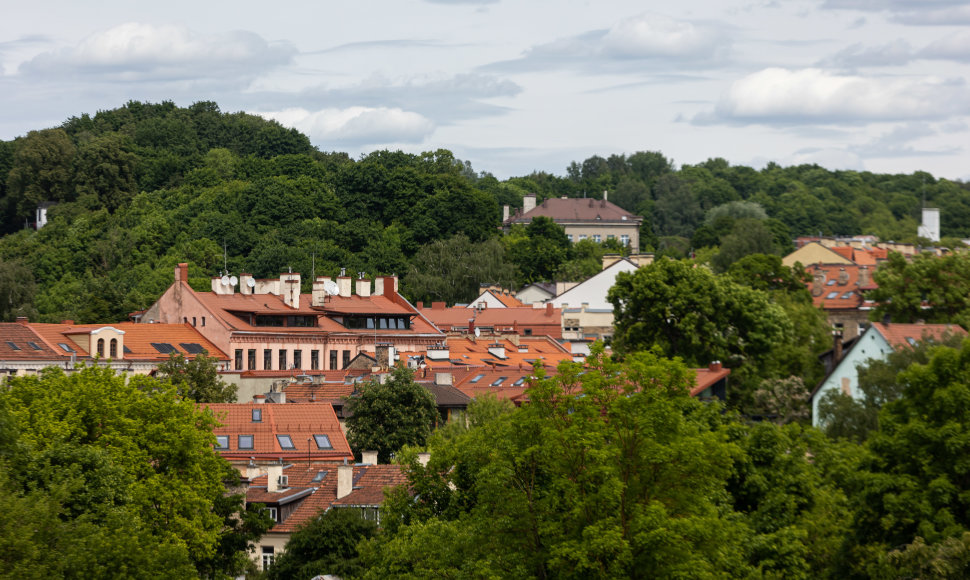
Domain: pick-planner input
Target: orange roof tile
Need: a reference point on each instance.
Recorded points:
(138, 339)
(898, 335)
(837, 286)
(301, 421)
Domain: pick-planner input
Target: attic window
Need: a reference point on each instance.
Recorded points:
(34, 346)
(323, 442)
(519, 382)
(126, 349)
(257, 415)
(13, 345)
(245, 442)
(285, 442)
(831, 282)
(847, 295)
(65, 347)
(477, 378)
(498, 381)
(319, 476)
(911, 340)
(163, 347)
(222, 442)
(832, 295)
(192, 347)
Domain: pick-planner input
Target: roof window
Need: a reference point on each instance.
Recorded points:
(65, 346)
(222, 442)
(519, 382)
(847, 295)
(498, 381)
(13, 345)
(163, 347)
(319, 476)
(477, 378)
(323, 442)
(34, 345)
(257, 415)
(245, 442)
(192, 347)
(831, 282)
(832, 295)
(285, 442)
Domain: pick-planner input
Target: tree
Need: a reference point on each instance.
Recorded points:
(453, 270)
(689, 312)
(930, 288)
(123, 463)
(747, 237)
(538, 249)
(17, 290)
(385, 416)
(104, 170)
(41, 170)
(197, 379)
(326, 544)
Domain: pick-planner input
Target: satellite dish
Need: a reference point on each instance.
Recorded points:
(225, 280)
(478, 331)
(233, 281)
(331, 288)
(251, 283)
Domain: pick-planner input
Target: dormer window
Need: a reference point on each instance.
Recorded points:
(257, 415)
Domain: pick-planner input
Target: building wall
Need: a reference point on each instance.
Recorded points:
(533, 295)
(604, 231)
(845, 377)
(585, 323)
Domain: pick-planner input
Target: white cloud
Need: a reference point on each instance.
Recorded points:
(356, 125)
(136, 52)
(781, 96)
(897, 52)
(953, 47)
(955, 16)
(912, 12)
(654, 35)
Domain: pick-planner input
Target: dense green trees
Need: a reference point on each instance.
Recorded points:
(386, 416)
(197, 379)
(118, 475)
(326, 544)
(927, 288)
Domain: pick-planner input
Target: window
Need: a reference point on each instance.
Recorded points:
(298, 359)
(267, 359)
(346, 358)
(257, 415)
(477, 378)
(251, 359)
(238, 360)
(203, 321)
(60, 344)
(847, 294)
(831, 282)
(519, 382)
(285, 442)
(185, 320)
(222, 442)
(100, 347)
(113, 348)
(14, 346)
(597, 238)
(333, 360)
(498, 381)
(193, 321)
(32, 345)
(319, 476)
(527, 331)
(610, 237)
(569, 237)
(323, 442)
(282, 360)
(831, 295)
(192, 347)
(314, 359)
(582, 237)
(267, 557)
(625, 239)
(163, 347)
(271, 512)
(245, 442)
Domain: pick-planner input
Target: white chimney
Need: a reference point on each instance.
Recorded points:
(344, 284)
(345, 480)
(528, 202)
(291, 289)
(318, 293)
(438, 352)
(605, 194)
(443, 379)
(273, 473)
(363, 287)
(424, 458)
(505, 213)
(244, 283)
(368, 457)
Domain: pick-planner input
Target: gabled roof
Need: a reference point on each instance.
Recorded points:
(18, 341)
(593, 291)
(507, 300)
(543, 321)
(572, 210)
(301, 421)
(139, 339)
(905, 335)
(474, 353)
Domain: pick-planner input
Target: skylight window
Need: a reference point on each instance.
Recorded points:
(245, 442)
(319, 476)
(285, 442)
(847, 295)
(911, 340)
(831, 282)
(13, 345)
(477, 378)
(34, 346)
(498, 381)
(65, 346)
(163, 347)
(222, 442)
(192, 347)
(831, 295)
(519, 382)
(323, 442)
(257, 415)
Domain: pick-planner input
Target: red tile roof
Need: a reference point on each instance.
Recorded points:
(541, 321)
(301, 421)
(838, 287)
(898, 335)
(26, 344)
(507, 300)
(577, 210)
(138, 339)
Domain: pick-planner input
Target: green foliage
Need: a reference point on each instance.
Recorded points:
(538, 249)
(929, 288)
(386, 416)
(326, 544)
(453, 270)
(121, 464)
(197, 379)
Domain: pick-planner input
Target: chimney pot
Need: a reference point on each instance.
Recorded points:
(345, 480)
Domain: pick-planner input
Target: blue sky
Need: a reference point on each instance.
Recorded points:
(517, 86)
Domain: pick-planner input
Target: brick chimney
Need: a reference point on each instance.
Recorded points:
(182, 272)
(837, 345)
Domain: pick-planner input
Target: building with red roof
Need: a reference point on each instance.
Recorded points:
(840, 290)
(269, 325)
(598, 220)
(522, 320)
(26, 347)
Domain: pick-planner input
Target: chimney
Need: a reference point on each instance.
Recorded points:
(290, 285)
(182, 272)
(318, 293)
(343, 284)
(345, 480)
(259, 399)
(843, 276)
(715, 366)
(23, 319)
(218, 287)
(385, 285)
(471, 326)
(505, 213)
(864, 276)
(443, 379)
(549, 308)
(363, 287)
(528, 202)
(818, 283)
(273, 473)
(244, 283)
(368, 457)
(438, 352)
(385, 355)
(424, 458)
(837, 346)
(605, 195)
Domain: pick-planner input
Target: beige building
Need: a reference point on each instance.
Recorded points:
(593, 219)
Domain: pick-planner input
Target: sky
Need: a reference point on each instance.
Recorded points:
(516, 86)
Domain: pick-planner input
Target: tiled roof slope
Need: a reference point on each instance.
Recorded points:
(301, 421)
(138, 339)
(19, 342)
(898, 335)
(576, 210)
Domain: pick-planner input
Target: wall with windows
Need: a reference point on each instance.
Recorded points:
(630, 232)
